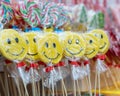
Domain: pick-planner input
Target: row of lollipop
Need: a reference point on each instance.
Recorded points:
(33, 14)
(48, 55)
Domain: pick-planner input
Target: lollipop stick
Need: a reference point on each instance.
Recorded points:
(99, 82)
(95, 82)
(6, 82)
(78, 88)
(56, 91)
(64, 87)
(74, 88)
(53, 91)
(3, 87)
(63, 84)
(89, 82)
(43, 90)
(18, 86)
(33, 83)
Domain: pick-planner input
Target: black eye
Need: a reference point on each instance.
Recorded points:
(34, 40)
(27, 41)
(46, 44)
(69, 41)
(8, 41)
(77, 41)
(16, 40)
(54, 45)
(90, 41)
(101, 36)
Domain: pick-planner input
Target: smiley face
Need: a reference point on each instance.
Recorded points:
(32, 53)
(92, 44)
(74, 45)
(103, 40)
(12, 45)
(50, 49)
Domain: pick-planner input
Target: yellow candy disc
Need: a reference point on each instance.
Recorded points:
(92, 45)
(74, 45)
(32, 53)
(12, 45)
(50, 49)
(103, 40)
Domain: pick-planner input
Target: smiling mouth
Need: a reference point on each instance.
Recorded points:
(90, 52)
(74, 53)
(103, 46)
(15, 54)
(32, 54)
(51, 58)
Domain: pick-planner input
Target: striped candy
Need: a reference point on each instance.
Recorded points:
(31, 13)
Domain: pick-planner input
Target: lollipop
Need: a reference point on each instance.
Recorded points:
(50, 52)
(50, 49)
(74, 45)
(51, 13)
(92, 45)
(103, 48)
(32, 53)
(31, 13)
(63, 17)
(12, 46)
(92, 48)
(7, 11)
(74, 49)
(103, 40)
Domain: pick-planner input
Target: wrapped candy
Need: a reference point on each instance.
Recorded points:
(32, 57)
(31, 13)
(74, 48)
(80, 14)
(92, 48)
(103, 48)
(7, 12)
(92, 20)
(50, 52)
(50, 14)
(14, 48)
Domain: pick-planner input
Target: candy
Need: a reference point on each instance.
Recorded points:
(12, 45)
(92, 44)
(32, 54)
(92, 20)
(103, 40)
(51, 13)
(7, 11)
(50, 49)
(31, 13)
(62, 18)
(74, 45)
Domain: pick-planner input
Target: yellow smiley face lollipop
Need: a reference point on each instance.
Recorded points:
(50, 49)
(74, 45)
(103, 40)
(12, 45)
(92, 44)
(32, 53)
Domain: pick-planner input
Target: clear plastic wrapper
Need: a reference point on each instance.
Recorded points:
(14, 48)
(74, 49)
(50, 51)
(51, 77)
